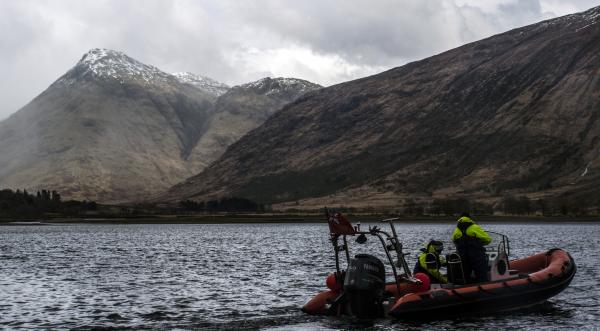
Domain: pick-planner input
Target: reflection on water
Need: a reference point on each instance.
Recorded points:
(229, 276)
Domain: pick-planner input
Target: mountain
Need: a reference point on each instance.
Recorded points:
(244, 108)
(516, 113)
(112, 129)
(204, 83)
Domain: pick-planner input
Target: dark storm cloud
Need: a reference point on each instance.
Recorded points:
(325, 41)
(367, 32)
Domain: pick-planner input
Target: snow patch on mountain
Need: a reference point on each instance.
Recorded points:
(581, 20)
(584, 171)
(271, 86)
(202, 82)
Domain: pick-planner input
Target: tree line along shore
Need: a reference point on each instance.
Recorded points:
(49, 205)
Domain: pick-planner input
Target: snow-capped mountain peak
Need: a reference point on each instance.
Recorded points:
(202, 82)
(109, 64)
(273, 86)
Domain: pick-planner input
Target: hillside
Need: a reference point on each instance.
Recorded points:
(516, 113)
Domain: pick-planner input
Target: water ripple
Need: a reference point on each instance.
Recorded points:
(224, 277)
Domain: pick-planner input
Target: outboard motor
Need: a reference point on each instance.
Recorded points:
(365, 285)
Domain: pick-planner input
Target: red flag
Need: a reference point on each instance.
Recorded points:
(338, 224)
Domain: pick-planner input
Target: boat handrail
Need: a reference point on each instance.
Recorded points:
(395, 244)
(505, 241)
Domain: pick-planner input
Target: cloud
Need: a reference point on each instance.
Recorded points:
(327, 41)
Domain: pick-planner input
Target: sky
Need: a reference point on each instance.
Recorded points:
(237, 41)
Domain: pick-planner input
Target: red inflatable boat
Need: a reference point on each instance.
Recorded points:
(361, 290)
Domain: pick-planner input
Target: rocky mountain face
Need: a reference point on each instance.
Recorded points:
(516, 113)
(113, 129)
(244, 108)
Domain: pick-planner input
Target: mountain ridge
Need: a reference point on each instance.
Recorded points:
(202, 82)
(484, 119)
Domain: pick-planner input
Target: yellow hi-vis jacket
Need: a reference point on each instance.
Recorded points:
(435, 273)
(473, 230)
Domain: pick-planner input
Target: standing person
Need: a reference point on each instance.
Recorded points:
(469, 239)
(430, 261)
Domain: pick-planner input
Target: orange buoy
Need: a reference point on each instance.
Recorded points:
(333, 283)
(425, 280)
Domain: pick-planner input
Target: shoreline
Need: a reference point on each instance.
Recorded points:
(283, 219)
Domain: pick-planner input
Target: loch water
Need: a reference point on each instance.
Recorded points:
(240, 276)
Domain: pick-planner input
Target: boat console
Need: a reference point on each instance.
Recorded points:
(498, 251)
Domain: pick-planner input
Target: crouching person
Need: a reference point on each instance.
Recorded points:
(431, 260)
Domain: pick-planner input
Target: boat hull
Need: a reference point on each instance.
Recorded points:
(537, 278)
(551, 273)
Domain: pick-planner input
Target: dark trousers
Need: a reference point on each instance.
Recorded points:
(474, 260)
(418, 268)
